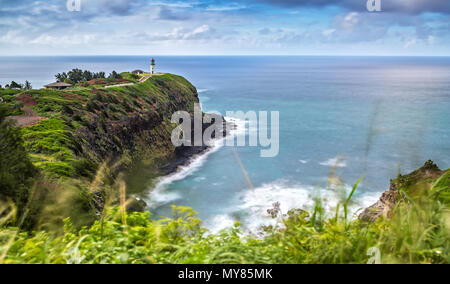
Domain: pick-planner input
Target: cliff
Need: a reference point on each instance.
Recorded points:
(85, 136)
(416, 184)
(85, 126)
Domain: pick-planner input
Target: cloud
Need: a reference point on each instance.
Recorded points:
(225, 7)
(329, 32)
(172, 15)
(111, 7)
(410, 43)
(266, 26)
(12, 37)
(180, 34)
(398, 6)
(65, 40)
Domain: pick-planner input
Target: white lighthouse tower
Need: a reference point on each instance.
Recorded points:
(152, 66)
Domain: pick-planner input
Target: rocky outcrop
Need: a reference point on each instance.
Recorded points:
(383, 206)
(184, 153)
(410, 183)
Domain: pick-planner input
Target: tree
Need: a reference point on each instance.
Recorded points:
(60, 77)
(28, 85)
(16, 170)
(100, 75)
(15, 85)
(76, 75)
(87, 75)
(115, 75)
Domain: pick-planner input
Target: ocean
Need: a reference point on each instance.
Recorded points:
(369, 117)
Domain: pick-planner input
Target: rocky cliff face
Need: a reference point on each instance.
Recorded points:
(420, 179)
(145, 131)
(126, 128)
(92, 125)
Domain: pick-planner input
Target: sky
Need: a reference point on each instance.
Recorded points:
(220, 27)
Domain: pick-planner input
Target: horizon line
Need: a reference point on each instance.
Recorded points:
(224, 55)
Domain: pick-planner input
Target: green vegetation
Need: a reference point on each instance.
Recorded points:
(115, 75)
(63, 192)
(82, 77)
(51, 146)
(96, 124)
(83, 129)
(418, 232)
(16, 170)
(8, 99)
(17, 86)
(130, 76)
(76, 75)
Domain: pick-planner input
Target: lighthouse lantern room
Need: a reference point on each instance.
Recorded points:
(152, 66)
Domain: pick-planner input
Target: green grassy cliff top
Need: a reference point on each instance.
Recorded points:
(81, 126)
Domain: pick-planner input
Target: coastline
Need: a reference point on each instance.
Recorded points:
(188, 161)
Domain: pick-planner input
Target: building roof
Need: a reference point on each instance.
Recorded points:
(137, 71)
(58, 84)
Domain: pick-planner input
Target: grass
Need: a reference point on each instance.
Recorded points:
(85, 122)
(86, 125)
(417, 232)
(8, 97)
(50, 144)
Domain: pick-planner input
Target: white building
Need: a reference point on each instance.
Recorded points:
(152, 66)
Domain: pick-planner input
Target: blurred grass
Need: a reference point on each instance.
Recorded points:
(417, 232)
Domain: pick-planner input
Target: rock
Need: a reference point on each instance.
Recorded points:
(384, 206)
(136, 204)
(184, 154)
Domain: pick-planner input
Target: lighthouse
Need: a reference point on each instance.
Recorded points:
(152, 66)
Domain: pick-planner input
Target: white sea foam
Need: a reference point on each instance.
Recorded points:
(240, 128)
(202, 90)
(334, 162)
(218, 223)
(252, 205)
(199, 179)
(255, 203)
(161, 194)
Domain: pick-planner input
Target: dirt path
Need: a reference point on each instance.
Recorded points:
(30, 118)
(119, 85)
(145, 78)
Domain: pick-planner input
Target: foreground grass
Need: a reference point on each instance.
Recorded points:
(417, 232)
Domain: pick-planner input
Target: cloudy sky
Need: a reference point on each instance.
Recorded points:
(224, 27)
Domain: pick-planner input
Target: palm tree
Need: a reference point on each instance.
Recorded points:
(28, 85)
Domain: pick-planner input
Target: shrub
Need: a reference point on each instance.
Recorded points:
(84, 168)
(18, 105)
(67, 110)
(16, 169)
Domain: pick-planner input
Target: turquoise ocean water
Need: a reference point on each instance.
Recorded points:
(370, 116)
